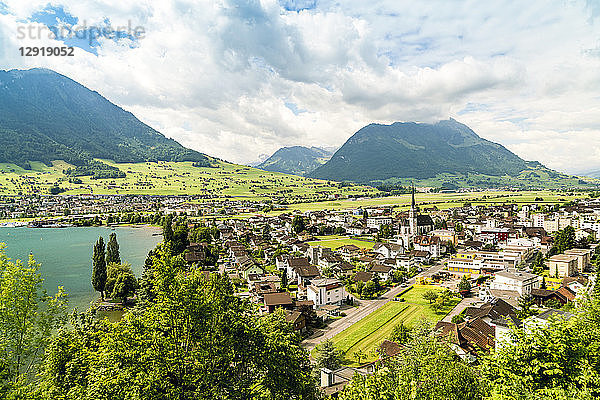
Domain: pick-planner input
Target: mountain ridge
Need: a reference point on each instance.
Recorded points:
(404, 151)
(47, 116)
(296, 160)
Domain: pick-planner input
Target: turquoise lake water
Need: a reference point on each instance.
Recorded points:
(66, 254)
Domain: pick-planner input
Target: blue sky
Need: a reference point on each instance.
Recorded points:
(237, 79)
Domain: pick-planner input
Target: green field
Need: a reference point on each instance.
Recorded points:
(369, 332)
(446, 200)
(342, 241)
(164, 178)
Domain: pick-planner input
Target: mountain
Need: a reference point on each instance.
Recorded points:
(45, 116)
(445, 151)
(296, 160)
(592, 174)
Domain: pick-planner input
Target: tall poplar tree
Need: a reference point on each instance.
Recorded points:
(99, 267)
(112, 250)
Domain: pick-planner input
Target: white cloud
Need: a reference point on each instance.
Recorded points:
(216, 75)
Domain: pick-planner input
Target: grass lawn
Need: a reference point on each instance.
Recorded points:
(369, 332)
(342, 241)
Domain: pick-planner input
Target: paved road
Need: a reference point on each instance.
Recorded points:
(365, 308)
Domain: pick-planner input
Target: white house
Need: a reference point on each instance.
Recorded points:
(388, 250)
(521, 282)
(326, 291)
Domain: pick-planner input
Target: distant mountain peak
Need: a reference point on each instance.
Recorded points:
(296, 160)
(409, 150)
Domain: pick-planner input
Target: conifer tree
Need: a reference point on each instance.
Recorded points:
(99, 267)
(112, 250)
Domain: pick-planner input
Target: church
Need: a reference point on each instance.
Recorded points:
(413, 226)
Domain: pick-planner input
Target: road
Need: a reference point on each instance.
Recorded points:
(365, 308)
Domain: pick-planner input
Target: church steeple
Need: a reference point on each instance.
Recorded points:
(412, 214)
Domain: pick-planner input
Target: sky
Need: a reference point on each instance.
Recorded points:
(240, 79)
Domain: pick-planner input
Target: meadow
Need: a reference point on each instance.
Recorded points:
(368, 333)
(342, 241)
(223, 180)
(445, 201)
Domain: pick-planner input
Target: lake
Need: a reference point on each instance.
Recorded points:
(66, 254)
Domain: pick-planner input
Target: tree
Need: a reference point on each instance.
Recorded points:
(400, 333)
(543, 284)
(524, 306)
(201, 235)
(538, 265)
(120, 281)
(146, 290)
(28, 318)
(125, 285)
(556, 360)
(99, 267)
(564, 240)
(195, 340)
(426, 369)
(386, 231)
(298, 224)
(168, 229)
(328, 356)
(112, 250)
(266, 233)
(284, 279)
(464, 285)
(360, 355)
(430, 295)
(180, 239)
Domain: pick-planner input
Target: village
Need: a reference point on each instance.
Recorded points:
(491, 268)
(474, 272)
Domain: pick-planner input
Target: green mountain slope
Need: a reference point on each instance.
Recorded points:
(297, 160)
(45, 116)
(446, 151)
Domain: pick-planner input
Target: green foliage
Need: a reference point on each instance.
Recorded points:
(558, 360)
(328, 356)
(55, 189)
(120, 282)
(563, 240)
(430, 296)
(180, 238)
(168, 228)
(204, 234)
(464, 284)
(112, 250)
(427, 369)
(386, 231)
(194, 340)
(298, 224)
(539, 264)
(99, 267)
(96, 169)
(400, 333)
(28, 317)
(525, 306)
